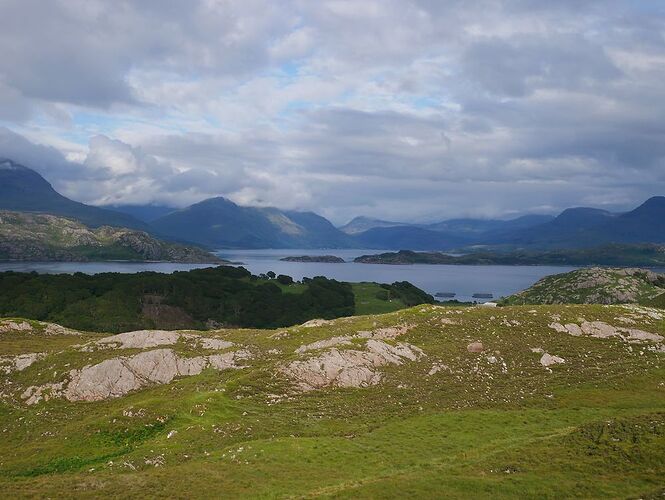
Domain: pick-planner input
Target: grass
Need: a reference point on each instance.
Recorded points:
(593, 427)
(368, 300)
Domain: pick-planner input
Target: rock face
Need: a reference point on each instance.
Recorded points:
(118, 376)
(349, 368)
(602, 330)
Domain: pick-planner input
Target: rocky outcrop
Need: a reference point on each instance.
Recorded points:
(548, 360)
(349, 368)
(147, 339)
(10, 364)
(602, 330)
(116, 377)
(15, 326)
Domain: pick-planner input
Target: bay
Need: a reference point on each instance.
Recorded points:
(463, 281)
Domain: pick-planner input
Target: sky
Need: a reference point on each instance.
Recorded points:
(412, 110)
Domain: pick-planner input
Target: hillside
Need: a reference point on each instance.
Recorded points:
(24, 190)
(593, 286)
(220, 223)
(476, 402)
(41, 237)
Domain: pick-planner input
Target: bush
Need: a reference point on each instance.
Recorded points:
(284, 279)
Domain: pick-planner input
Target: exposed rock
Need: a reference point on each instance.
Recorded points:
(548, 360)
(602, 330)
(10, 364)
(436, 368)
(391, 332)
(324, 344)
(214, 344)
(117, 376)
(142, 339)
(475, 347)
(146, 339)
(349, 368)
(10, 326)
(53, 329)
(316, 322)
(34, 394)
(598, 329)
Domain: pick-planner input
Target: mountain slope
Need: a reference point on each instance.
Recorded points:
(145, 213)
(644, 224)
(362, 224)
(45, 237)
(24, 190)
(588, 227)
(220, 223)
(573, 227)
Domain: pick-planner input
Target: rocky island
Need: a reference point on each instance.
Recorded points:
(327, 259)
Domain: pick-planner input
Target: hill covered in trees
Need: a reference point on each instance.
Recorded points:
(202, 298)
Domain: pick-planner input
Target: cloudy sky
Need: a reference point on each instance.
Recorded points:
(405, 109)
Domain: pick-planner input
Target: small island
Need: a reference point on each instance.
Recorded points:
(327, 259)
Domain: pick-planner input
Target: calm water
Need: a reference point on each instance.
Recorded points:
(462, 280)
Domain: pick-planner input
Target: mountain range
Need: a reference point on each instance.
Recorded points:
(220, 223)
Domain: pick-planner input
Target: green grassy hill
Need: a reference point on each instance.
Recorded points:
(424, 402)
(594, 286)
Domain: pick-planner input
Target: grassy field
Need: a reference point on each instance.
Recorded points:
(368, 301)
(493, 424)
